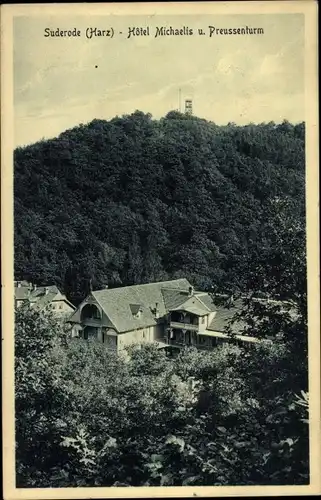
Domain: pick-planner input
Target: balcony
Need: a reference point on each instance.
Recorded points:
(184, 326)
(91, 322)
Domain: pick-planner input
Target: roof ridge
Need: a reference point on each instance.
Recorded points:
(176, 289)
(144, 284)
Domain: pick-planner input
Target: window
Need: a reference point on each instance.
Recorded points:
(60, 307)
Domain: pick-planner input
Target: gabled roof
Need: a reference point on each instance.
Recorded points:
(174, 297)
(52, 296)
(193, 309)
(41, 296)
(193, 305)
(178, 300)
(117, 302)
(207, 300)
(224, 315)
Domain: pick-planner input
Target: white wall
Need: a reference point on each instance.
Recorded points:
(210, 317)
(203, 322)
(140, 336)
(61, 307)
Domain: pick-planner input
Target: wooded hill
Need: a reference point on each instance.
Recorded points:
(133, 200)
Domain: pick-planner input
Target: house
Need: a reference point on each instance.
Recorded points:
(171, 313)
(42, 298)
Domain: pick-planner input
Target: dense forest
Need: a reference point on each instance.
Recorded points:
(134, 200)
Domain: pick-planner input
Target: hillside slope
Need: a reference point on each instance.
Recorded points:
(133, 200)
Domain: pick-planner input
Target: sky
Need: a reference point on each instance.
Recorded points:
(62, 82)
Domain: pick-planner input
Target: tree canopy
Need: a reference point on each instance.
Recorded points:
(133, 200)
(87, 417)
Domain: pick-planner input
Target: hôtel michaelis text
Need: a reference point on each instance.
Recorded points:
(129, 32)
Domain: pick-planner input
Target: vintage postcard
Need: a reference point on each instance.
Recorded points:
(160, 242)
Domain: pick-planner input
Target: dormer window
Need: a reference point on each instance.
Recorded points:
(136, 310)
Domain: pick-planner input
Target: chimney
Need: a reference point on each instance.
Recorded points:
(190, 291)
(19, 284)
(156, 311)
(46, 290)
(34, 287)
